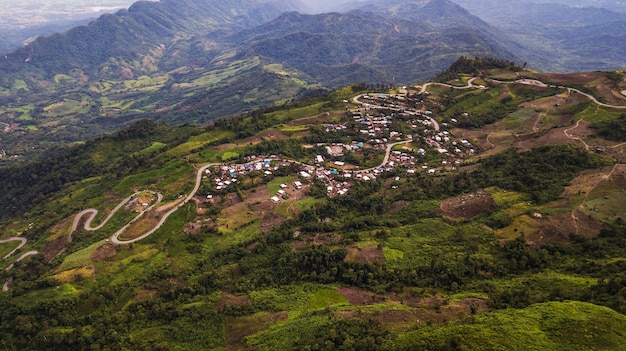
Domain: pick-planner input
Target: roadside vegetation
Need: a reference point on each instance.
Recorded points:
(516, 249)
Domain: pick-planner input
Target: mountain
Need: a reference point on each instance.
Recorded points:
(191, 61)
(559, 36)
(128, 35)
(333, 48)
(437, 13)
(479, 212)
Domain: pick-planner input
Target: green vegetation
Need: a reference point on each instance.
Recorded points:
(546, 327)
(470, 257)
(475, 66)
(612, 129)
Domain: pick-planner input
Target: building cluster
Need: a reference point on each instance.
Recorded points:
(440, 150)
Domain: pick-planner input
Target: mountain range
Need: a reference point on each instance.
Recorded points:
(191, 61)
(344, 201)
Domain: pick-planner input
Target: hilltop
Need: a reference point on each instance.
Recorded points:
(483, 209)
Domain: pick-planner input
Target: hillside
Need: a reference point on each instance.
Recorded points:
(189, 61)
(561, 36)
(480, 211)
(386, 50)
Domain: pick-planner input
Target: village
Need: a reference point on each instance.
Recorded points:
(411, 140)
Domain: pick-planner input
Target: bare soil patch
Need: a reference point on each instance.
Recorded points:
(322, 239)
(54, 248)
(369, 254)
(271, 221)
(144, 224)
(169, 206)
(229, 300)
(317, 119)
(272, 134)
(572, 78)
(467, 206)
(358, 296)
(431, 310)
(104, 252)
(555, 136)
(397, 206)
(64, 224)
(237, 329)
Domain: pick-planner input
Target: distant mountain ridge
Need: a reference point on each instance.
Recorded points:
(560, 36)
(144, 27)
(393, 49)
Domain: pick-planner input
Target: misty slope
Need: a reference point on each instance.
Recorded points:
(560, 37)
(338, 48)
(144, 27)
(437, 13)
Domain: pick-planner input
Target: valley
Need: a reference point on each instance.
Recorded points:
(270, 175)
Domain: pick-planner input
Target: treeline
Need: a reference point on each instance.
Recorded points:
(473, 66)
(614, 129)
(541, 172)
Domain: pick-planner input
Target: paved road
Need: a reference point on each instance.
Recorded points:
(92, 213)
(569, 90)
(115, 238)
(23, 242)
(357, 100)
(470, 84)
(594, 99)
(23, 256)
(7, 284)
(387, 154)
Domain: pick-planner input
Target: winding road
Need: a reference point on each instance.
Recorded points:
(92, 213)
(115, 238)
(387, 155)
(470, 84)
(23, 242)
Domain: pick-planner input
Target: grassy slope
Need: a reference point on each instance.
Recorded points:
(153, 285)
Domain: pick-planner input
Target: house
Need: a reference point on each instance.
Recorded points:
(297, 184)
(275, 199)
(335, 150)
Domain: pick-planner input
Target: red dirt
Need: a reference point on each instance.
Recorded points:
(229, 300)
(467, 206)
(369, 254)
(358, 296)
(54, 248)
(104, 252)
